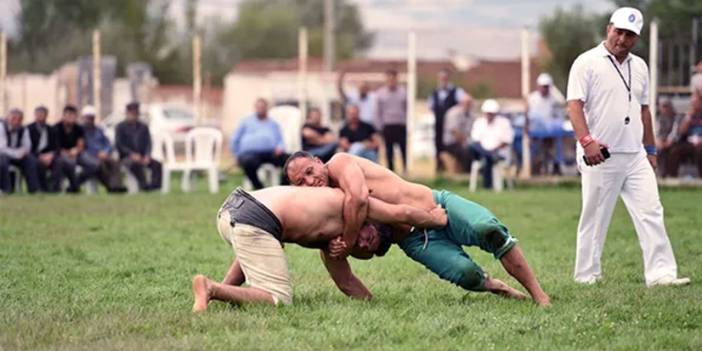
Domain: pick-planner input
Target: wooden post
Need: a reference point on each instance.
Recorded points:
(329, 39)
(97, 75)
(197, 79)
(526, 144)
(411, 96)
(3, 72)
(302, 71)
(653, 64)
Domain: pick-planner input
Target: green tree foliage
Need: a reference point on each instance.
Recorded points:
(568, 33)
(52, 33)
(268, 29)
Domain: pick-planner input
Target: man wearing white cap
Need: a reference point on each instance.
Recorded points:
(545, 119)
(608, 105)
(491, 136)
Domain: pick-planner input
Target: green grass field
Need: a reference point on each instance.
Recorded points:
(113, 272)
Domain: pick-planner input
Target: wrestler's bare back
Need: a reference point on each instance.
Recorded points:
(387, 186)
(310, 216)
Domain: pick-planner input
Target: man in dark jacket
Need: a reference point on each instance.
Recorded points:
(133, 141)
(44, 149)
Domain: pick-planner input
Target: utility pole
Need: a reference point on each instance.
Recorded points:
(97, 75)
(526, 143)
(3, 72)
(329, 39)
(197, 79)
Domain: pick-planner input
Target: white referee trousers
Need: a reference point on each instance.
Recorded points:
(631, 176)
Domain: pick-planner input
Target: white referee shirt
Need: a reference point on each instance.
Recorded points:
(594, 80)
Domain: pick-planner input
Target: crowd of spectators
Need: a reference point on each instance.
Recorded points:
(62, 157)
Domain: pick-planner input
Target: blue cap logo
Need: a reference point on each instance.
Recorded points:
(632, 18)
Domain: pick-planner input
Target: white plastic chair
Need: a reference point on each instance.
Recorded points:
(17, 178)
(289, 118)
(502, 173)
(203, 150)
(164, 152)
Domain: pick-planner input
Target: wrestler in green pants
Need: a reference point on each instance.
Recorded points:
(469, 224)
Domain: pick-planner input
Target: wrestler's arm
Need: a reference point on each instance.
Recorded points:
(383, 212)
(344, 170)
(340, 272)
(235, 276)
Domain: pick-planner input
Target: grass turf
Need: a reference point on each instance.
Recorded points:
(113, 272)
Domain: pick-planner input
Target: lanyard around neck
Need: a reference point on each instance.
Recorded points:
(628, 86)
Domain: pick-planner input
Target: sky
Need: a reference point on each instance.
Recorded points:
(488, 29)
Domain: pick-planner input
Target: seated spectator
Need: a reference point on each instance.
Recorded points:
(70, 142)
(491, 137)
(98, 151)
(458, 123)
(15, 149)
(357, 137)
(317, 139)
(545, 118)
(666, 133)
(696, 81)
(258, 140)
(690, 145)
(133, 143)
(44, 148)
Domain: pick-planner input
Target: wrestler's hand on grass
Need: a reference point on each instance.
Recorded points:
(439, 217)
(337, 248)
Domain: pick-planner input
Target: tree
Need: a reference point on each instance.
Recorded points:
(268, 29)
(568, 33)
(52, 33)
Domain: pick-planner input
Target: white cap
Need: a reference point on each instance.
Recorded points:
(627, 18)
(544, 79)
(88, 110)
(490, 106)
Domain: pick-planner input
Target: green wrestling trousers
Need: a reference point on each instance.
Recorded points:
(441, 250)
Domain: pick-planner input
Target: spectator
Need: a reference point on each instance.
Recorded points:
(666, 133)
(545, 119)
(133, 142)
(44, 148)
(365, 99)
(458, 124)
(256, 141)
(98, 151)
(690, 145)
(15, 149)
(392, 118)
(443, 98)
(317, 139)
(696, 80)
(70, 142)
(357, 137)
(491, 137)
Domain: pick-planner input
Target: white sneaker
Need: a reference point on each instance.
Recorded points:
(590, 281)
(670, 281)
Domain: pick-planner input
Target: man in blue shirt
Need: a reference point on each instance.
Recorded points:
(256, 141)
(99, 150)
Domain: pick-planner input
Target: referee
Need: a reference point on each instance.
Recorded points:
(608, 105)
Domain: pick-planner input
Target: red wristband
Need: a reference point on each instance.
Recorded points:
(586, 140)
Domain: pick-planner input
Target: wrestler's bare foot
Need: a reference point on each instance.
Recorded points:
(498, 287)
(201, 293)
(543, 301)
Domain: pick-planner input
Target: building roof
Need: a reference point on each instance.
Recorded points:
(501, 78)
